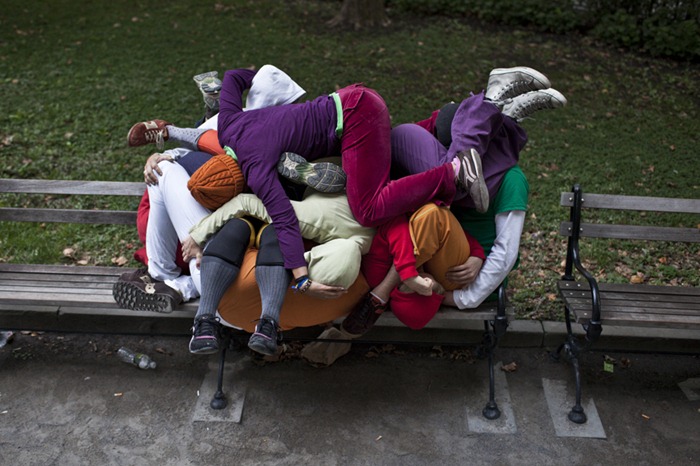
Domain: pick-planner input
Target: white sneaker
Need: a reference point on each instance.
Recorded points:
(506, 83)
(524, 105)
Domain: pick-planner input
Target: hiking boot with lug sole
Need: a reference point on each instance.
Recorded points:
(205, 335)
(148, 132)
(364, 316)
(471, 179)
(137, 291)
(523, 106)
(265, 339)
(324, 177)
(506, 83)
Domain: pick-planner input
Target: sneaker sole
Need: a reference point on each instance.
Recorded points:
(259, 346)
(541, 81)
(478, 191)
(203, 351)
(130, 296)
(324, 177)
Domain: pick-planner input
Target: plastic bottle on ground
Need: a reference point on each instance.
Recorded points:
(140, 360)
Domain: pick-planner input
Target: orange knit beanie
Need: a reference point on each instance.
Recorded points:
(216, 182)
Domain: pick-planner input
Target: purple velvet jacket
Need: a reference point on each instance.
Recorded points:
(259, 137)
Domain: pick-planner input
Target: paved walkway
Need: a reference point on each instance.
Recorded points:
(68, 400)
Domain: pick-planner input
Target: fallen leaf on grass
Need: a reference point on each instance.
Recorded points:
(121, 260)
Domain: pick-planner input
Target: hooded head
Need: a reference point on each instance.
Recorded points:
(272, 86)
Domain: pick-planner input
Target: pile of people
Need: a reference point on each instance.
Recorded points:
(264, 209)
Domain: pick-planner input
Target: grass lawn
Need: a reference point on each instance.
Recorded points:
(74, 77)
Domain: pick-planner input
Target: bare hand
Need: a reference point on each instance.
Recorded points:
(191, 250)
(321, 291)
(151, 168)
(466, 273)
(421, 285)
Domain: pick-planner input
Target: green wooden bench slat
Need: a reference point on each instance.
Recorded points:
(64, 270)
(106, 217)
(637, 232)
(626, 287)
(641, 203)
(642, 319)
(97, 188)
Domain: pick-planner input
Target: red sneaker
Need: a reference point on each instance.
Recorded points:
(148, 132)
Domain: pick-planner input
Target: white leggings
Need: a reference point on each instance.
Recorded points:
(172, 213)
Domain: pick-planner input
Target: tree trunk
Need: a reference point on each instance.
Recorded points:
(361, 14)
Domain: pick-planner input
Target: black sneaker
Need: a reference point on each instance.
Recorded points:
(205, 335)
(471, 179)
(138, 291)
(264, 340)
(363, 317)
(324, 177)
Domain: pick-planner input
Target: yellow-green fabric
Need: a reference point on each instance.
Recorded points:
(323, 218)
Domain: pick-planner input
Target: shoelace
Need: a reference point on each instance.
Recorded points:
(205, 326)
(155, 136)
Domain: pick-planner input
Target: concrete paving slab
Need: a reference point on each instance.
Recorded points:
(691, 388)
(505, 424)
(560, 400)
(234, 392)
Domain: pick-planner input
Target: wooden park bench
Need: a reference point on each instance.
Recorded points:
(73, 298)
(594, 304)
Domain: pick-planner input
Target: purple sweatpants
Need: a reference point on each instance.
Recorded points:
(366, 155)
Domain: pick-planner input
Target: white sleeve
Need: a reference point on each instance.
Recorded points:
(499, 262)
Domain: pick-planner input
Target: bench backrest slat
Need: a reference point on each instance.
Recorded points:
(106, 217)
(617, 202)
(636, 232)
(97, 188)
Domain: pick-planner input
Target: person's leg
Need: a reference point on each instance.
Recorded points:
(158, 131)
(184, 212)
(366, 153)
(158, 288)
(273, 281)
(415, 150)
(440, 242)
(221, 262)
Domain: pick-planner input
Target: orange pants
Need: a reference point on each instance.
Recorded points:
(439, 243)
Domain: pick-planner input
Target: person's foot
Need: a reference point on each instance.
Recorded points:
(471, 179)
(364, 316)
(264, 340)
(523, 106)
(148, 132)
(138, 291)
(506, 83)
(205, 335)
(421, 285)
(324, 177)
